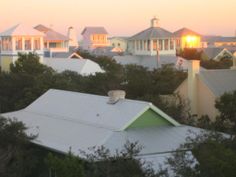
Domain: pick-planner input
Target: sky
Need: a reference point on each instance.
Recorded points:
(122, 17)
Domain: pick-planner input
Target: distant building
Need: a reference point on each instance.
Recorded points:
(186, 38)
(19, 38)
(81, 66)
(203, 87)
(53, 41)
(94, 37)
(119, 42)
(218, 53)
(159, 40)
(151, 40)
(218, 41)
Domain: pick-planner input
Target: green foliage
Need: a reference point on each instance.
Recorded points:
(190, 53)
(17, 156)
(29, 79)
(212, 155)
(226, 105)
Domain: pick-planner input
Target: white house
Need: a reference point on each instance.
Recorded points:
(94, 37)
(53, 41)
(19, 38)
(65, 120)
(152, 40)
(81, 66)
(119, 43)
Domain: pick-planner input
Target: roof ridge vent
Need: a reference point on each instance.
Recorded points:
(115, 96)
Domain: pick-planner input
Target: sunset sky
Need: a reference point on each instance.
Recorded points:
(122, 17)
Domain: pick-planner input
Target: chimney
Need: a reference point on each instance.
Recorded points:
(234, 61)
(193, 70)
(115, 96)
(154, 22)
(73, 42)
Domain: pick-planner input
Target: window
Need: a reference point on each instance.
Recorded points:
(19, 43)
(171, 44)
(160, 45)
(113, 44)
(154, 44)
(6, 44)
(166, 44)
(27, 44)
(37, 44)
(118, 44)
(136, 42)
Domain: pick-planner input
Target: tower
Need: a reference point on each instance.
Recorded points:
(72, 37)
(154, 22)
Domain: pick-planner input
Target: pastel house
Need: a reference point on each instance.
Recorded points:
(203, 87)
(19, 39)
(152, 41)
(94, 37)
(53, 41)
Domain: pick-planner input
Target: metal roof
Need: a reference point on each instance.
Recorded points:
(21, 30)
(94, 30)
(212, 52)
(149, 62)
(81, 66)
(50, 34)
(219, 81)
(152, 33)
(185, 31)
(65, 120)
(213, 39)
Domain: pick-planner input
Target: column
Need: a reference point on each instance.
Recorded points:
(169, 44)
(13, 43)
(163, 44)
(41, 43)
(151, 46)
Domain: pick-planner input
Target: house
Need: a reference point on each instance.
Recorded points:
(94, 37)
(203, 87)
(81, 66)
(119, 42)
(53, 41)
(218, 53)
(152, 40)
(65, 120)
(19, 38)
(218, 41)
(186, 38)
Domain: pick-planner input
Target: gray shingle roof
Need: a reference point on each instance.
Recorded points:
(185, 31)
(95, 30)
(152, 33)
(219, 81)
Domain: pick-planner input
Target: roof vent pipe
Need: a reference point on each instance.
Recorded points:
(115, 96)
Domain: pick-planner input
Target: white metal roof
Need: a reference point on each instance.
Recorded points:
(67, 120)
(81, 66)
(21, 30)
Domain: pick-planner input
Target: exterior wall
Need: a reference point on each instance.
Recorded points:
(205, 98)
(120, 43)
(193, 42)
(91, 41)
(149, 119)
(56, 46)
(206, 101)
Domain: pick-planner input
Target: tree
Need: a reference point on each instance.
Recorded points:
(209, 154)
(226, 105)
